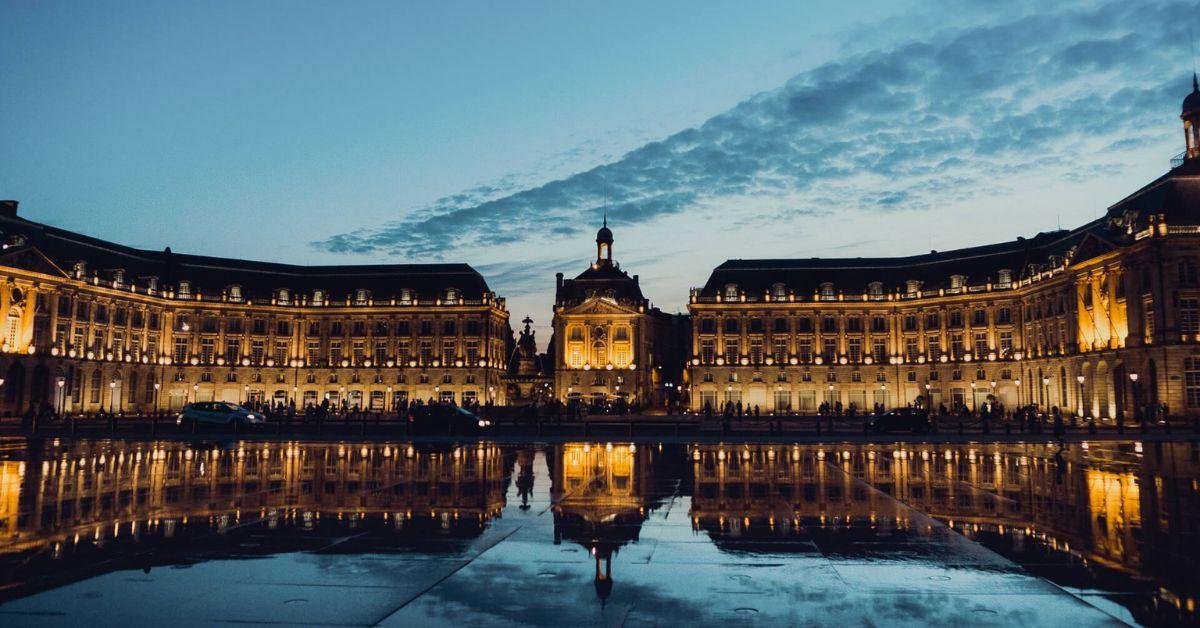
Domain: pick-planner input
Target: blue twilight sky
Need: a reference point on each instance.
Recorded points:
(498, 133)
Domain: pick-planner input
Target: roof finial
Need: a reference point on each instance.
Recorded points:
(606, 213)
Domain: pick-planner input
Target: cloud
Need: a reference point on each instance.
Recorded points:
(956, 114)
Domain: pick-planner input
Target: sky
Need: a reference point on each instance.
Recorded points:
(499, 134)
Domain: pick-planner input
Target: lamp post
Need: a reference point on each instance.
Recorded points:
(1018, 383)
(195, 391)
(1080, 379)
(1137, 403)
(61, 382)
(1046, 391)
(928, 398)
(974, 401)
(112, 396)
(157, 386)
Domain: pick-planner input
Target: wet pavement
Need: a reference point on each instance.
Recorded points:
(598, 533)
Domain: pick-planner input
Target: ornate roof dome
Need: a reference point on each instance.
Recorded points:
(1191, 104)
(604, 235)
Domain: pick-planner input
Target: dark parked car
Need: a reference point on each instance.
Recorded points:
(220, 413)
(913, 420)
(445, 419)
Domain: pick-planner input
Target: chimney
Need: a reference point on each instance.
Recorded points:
(635, 279)
(8, 208)
(558, 277)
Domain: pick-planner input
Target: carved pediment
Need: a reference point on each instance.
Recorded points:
(1091, 246)
(600, 305)
(30, 259)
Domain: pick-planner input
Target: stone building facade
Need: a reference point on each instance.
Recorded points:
(1101, 321)
(609, 341)
(92, 325)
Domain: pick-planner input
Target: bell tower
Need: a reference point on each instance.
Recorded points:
(604, 242)
(1191, 121)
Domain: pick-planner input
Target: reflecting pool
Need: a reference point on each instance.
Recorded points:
(634, 533)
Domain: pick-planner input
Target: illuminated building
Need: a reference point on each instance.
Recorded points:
(92, 325)
(1101, 320)
(609, 341)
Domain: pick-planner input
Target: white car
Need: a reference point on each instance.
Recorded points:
(220, 413)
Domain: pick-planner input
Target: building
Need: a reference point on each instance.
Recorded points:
(1102, 320)
(93, 325)
(609, 342)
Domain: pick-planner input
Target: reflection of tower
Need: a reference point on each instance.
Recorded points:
(525, 477)
(599, 495)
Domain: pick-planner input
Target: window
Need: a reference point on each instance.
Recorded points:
(1085, 294)
(779, 292)
(956, 319)
(1187, 272)
(732, 350)
(828, 325)
(879, 324)
(318, 297)
(235, 293)
(854, 349)
(731, 325)
(181, 351)
(980, 345)
(452, 294)
(912, 349)
(756, 351)
(1006, 344)
(185, 290)
(804, 325)
(875, 291)
(779, 351)
(1191, 382)
(207, 350)
(708, 326)
(854, 324)
(958, 282)
(731, 292)
(448, 327)
(1004, 277)
(804, 350)
(910, 322)
(1189, 317)
(707, 350)
(780, 326)
(283, 328)
(957, 347)
(1004, 316)
(932, 321)
(829, 350)
(879, 350)
(756, 325)
(362, 296)
(827, 292)
(979, 318)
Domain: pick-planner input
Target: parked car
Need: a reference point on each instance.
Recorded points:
(913, 420)
(220, 413)
(445, 419)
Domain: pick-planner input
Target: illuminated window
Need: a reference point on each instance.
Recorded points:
(731, 292)
(1191, 382)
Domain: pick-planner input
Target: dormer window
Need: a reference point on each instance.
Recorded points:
(1056, 261)
(779, 292)
(406, 296)
(318, 297)
(731, 292)
(235, 293)
(118, 275)
(283, 296)
(827, 292)
(957, 282)
(80, 269)
(1004, 277)
(185, 290)
(362, 296)
(151, 285)
(912, 287)
(452, 295)
(875, 291)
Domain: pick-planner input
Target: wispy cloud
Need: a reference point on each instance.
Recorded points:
(956, 115)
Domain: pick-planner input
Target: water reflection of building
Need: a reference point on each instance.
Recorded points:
(81, 504)
(601, 492)
(1114, 505)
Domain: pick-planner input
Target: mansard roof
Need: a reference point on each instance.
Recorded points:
(258, 280)
(602, 280)
(1176, 195)
(979, 265)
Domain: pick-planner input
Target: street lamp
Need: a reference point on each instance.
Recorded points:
(1018, 383)
(974, 401)
(1137, 404)
(60, 382)
(157, 386)
(1046, 391)
(112, 396)
(928, 397)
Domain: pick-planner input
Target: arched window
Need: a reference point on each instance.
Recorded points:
(318, 297)
(235, 293)
(957, 282)
(731, 292)
(12, 328)
(283, 296)
(875, 290)
(362, 296)
(406, 296)
(827, 292)
(185, 290)
(452, 295)
(599, 353)
(912, 287)
(1004, 277)
(779, 292)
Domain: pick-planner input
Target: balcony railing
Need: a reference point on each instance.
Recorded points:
(1177, 160)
